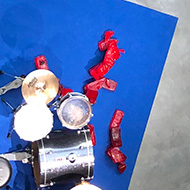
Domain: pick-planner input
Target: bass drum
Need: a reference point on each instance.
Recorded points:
(63, 156)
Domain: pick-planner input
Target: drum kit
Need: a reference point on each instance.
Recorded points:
(56, 156)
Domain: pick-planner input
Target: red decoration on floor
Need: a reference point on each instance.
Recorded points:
(115, 138)
(116, 119)
(92, 133)
(63, 91)
(91, 94)
(91, 89)
(112, 54)
(122, 167)
(116, 155)
(41, 62)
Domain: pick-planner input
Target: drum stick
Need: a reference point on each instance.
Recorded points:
(5, 102)
(2, 72)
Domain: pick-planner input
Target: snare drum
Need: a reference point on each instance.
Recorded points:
(32, 122)
(74, 110)
(63, 156)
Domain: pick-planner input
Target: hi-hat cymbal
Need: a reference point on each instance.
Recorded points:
(40, 86)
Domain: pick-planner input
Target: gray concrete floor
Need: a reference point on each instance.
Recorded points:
(164, 158)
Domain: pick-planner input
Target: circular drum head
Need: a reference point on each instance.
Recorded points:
(75, 111)
(5, 172)
(32, 122)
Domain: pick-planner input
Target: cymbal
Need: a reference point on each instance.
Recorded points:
(40, 86)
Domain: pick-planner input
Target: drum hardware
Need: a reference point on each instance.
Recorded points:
(25, 157)
(40, 86)
(13, 76)
(12, 85)
(5, 167)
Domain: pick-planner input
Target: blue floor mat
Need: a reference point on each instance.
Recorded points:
(67, 33)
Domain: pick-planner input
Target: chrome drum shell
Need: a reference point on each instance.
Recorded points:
(63, 156)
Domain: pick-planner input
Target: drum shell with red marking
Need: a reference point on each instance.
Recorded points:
(63, 156)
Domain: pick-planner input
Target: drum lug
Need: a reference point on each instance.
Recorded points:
(25, 161)
(72, 157)
(83, 130)
(81, 147)
(47, 137)
(49, 152)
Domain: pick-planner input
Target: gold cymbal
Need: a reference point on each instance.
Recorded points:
(40, 86)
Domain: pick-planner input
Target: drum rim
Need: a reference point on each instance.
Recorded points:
(10, 171)
(19, 107)
(74, 95)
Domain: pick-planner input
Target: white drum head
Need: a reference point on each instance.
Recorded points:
(32, 122)
(85, 187)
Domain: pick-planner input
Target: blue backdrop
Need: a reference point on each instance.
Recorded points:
(67, 33)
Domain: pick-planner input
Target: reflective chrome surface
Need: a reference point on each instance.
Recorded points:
(62, 156)
(12, 85)
(17, 156)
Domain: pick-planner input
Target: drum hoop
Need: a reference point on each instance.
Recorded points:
(72, 94)
(64, 102)
(19, 107)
